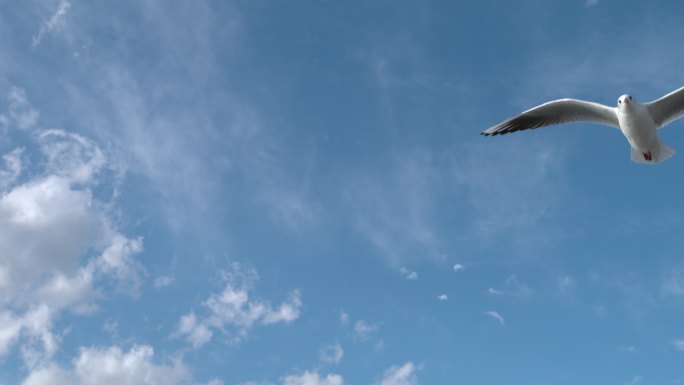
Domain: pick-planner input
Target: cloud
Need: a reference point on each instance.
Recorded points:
(493, 291)
(410, 274)
(363, 331)
(61, 247)
(54, 23)
(233, 312)
(313, 378)
(331, 354)
(442, 297)
(21, 111)
(566, 284)
(636, 380)
(395, 211)
(163, 281)
(496, 316)
(590, 3)
(112, 365)
(400, 375)
(673, 284)
(458, 267)
(12, 169)
(344, 318)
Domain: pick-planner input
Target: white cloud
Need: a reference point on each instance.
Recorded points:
(21, 111)
(331, 354)
(12, 169)
(458, 267)
(590, 3)
(61, 249)
(442, 297)
(163, 281)
(496, 316)
(363, 331)
(54, 23)
(313, 378)
(234, 313)
(493, 291)
(96, 366)
(400, 375)
(410, 274)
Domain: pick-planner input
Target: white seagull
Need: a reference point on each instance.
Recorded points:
(639, 122)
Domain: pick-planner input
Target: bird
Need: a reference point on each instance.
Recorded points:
(639, 122)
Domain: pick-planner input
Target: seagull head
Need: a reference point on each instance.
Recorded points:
(625, 100)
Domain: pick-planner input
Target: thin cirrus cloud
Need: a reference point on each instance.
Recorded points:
(54, 23)
(495, 315)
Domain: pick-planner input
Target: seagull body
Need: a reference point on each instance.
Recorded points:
(639, 122)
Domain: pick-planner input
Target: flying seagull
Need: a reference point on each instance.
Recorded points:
(639, 122)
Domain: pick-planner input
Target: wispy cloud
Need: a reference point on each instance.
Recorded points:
(442, 297)
(331, 354)
(679, 345)
(363, 330)
(493, 291)
(54, 23)
(496, 316)
(400, 375)
(409, 274)
(458, 267)
(590, 3)
(163, 281)
(395, 211)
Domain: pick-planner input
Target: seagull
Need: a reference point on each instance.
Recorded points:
(639, 122)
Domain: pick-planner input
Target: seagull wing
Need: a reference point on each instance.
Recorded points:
(557, 112)
(667, 108)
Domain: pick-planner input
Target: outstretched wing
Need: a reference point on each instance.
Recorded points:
(557, 112)
(667, 108)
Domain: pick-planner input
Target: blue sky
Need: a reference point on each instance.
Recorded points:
(296, 193)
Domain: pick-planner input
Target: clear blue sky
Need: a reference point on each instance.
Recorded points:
(296, 193)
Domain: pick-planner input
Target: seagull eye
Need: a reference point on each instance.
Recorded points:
(630, 98)
(620, 101)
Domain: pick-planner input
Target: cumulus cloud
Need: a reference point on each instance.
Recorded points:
(400, 375)
(331, 354)
(442, 297)
(233, 312)
(54, 23)
(313, 378)
(496, 316)
(61, 248)
(458, 267)
(112, 365)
